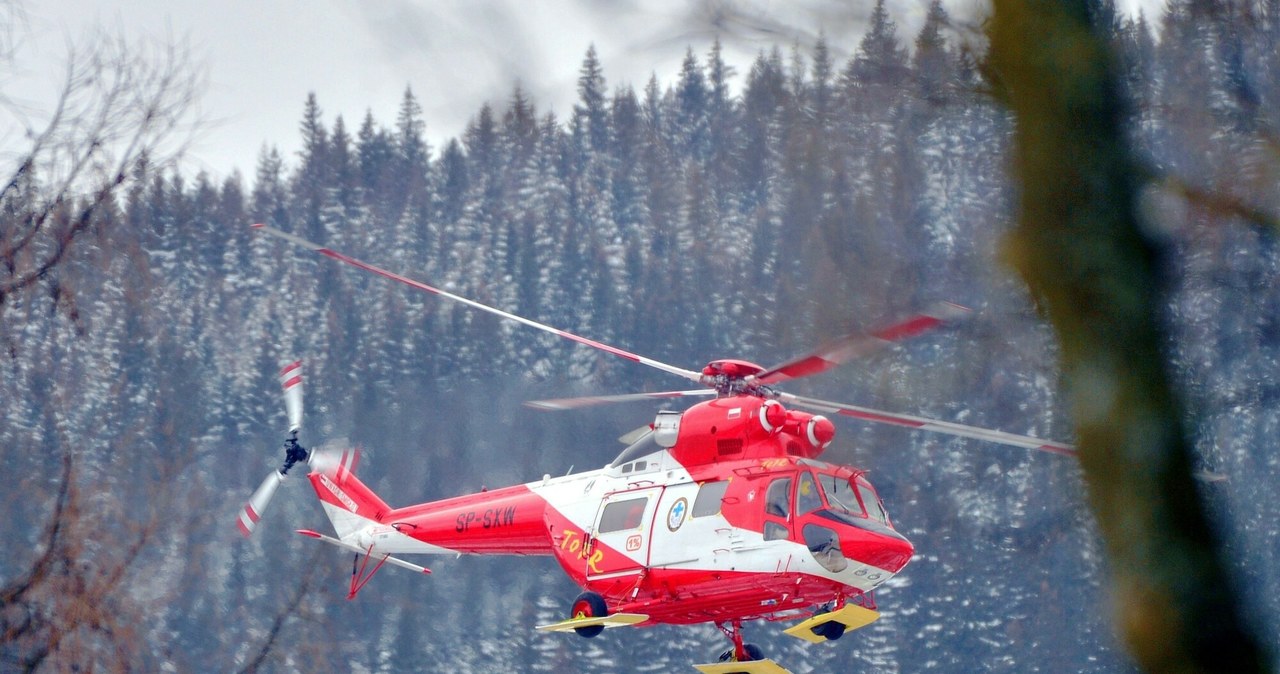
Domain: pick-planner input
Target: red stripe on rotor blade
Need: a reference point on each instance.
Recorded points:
(293, 382)
(909, 328)
(290, 367)
(803, 368)
(593, 343)
(1065, 450)
(253, 517)
(244, 531)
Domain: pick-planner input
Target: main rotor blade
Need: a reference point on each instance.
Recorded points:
(678, 371)
(860, 344)
(592, 401)
(878, 416)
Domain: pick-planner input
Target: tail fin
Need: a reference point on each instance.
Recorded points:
(353, 509)
(349, 503)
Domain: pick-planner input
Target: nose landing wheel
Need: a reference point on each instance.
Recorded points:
(743, 658)
(588, 605)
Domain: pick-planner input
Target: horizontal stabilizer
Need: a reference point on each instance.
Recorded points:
(765, 666)
(359, 550)
(615, 620)
(851, 616)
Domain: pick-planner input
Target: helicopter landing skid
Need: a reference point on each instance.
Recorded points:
(749, 667)
(614, 620)
(815, 630)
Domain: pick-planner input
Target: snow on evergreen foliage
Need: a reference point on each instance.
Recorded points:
(682, 223)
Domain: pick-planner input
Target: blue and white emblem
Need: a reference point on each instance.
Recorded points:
(675, 517)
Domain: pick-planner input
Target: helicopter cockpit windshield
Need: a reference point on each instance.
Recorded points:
(840, 494)
(852, 500)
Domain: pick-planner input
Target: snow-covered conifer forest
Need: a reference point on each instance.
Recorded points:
(710, 213)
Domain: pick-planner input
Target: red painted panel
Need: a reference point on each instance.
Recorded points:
(502, 521)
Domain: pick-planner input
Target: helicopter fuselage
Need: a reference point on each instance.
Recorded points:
(720, 513)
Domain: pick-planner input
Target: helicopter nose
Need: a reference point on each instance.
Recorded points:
(888, 551)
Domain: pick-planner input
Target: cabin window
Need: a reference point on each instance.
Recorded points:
(634, 467)
(774, 531)
(709, 498)
(778, 498)
(825, 546)
(622, 515)
(808, 495)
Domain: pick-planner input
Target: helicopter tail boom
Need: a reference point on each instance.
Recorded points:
(501, 521)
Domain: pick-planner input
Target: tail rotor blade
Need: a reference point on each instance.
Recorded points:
(252, 512)
(291, 381)
(334, 459)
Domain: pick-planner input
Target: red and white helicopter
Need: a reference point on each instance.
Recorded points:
(722, 513)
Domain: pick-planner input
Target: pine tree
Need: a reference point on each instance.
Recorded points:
(343, 168)
(931, 63)
(411, 151)
(313, 175)
(454, 182)
(591, 111)
(374, 152)
(880, 63)
(691, 114)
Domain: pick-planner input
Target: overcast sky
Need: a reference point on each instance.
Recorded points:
(262, 57)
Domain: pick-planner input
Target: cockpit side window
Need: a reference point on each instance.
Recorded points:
(778, 499)
(872, 501)
(808, 494)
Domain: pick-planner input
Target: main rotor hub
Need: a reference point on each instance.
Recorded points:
(736, 369)
(730, 377)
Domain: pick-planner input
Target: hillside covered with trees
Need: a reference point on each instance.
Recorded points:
(709, 214)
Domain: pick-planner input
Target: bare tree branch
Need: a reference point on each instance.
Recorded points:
(290, 609)
(122, 106)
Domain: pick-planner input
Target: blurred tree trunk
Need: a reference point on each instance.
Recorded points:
(1079, 246)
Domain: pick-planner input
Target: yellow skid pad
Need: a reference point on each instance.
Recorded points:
(615, 620)
(765, 666)
(851, 616)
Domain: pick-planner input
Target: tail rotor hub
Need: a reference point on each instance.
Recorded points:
(293, 452)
